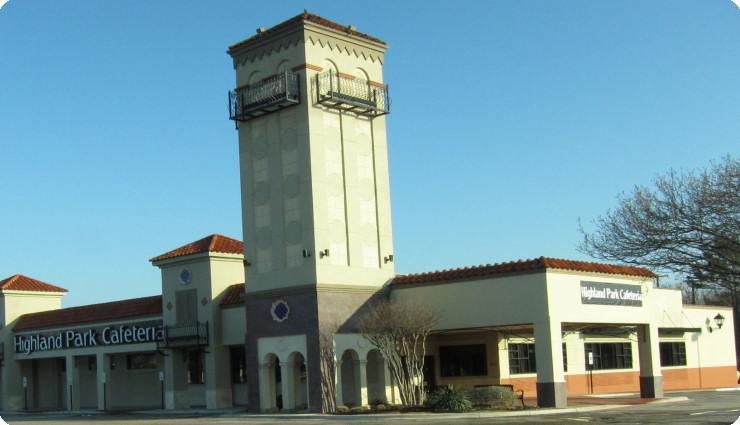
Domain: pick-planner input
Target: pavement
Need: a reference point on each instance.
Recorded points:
(716, 407)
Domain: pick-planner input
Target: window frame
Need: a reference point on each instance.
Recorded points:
(609, 355)
(525, 360)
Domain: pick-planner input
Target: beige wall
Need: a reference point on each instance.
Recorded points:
(510, 300)
(312, 179)
(233, 325)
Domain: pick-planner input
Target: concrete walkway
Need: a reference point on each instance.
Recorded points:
(576, 405)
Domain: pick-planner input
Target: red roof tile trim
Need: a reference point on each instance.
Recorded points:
(305, 17)
(116, 310)
(234, 295)
(19, 282)
(212, 243)
(521, 266)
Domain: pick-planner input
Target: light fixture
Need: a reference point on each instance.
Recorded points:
(719, 320)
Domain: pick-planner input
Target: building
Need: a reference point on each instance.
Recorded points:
(310, 108)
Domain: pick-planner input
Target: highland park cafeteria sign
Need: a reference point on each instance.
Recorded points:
(611, 294)
(109, 335)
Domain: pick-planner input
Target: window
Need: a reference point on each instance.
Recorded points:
(238, 365)
(610, 355)
(673, 354)
(141, 361)
(463, 360)
(196, 372)
(522, 359)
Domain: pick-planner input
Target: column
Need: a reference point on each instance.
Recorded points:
(651, 377)
(287, 374)
(218, 378)
(266, 383)
(363, 382)
(73, 379)
(390, 394)
(338, 383)
(103, 380)
(175, 381)
(551, 389)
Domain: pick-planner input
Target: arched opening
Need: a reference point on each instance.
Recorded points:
(270, 383)
(350, 378)
(299, 380)
(376, 378)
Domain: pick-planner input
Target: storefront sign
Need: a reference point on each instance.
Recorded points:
(611, 294)
(109, 335)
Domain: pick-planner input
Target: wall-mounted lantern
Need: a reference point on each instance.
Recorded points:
(719, 320)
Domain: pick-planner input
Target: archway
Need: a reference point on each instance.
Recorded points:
(350, 378)
(376, 378)
(298, 378)
(270, 383)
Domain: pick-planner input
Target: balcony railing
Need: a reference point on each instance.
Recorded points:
(352, 94)
(269, 95)
(188, 335)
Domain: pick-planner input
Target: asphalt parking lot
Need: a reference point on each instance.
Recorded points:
(705, 407)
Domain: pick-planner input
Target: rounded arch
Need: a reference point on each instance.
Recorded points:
(284, 65)
(298, 379)
(329, 65)
(376, 377)
(361, 74)
(350, 378)
(270, 382)
(254, 77)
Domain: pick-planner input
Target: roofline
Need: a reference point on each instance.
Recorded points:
(22, 292)
(195, 256)
(296, 22)
(135, 318)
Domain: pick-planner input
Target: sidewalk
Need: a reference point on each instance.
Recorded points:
(575, 405)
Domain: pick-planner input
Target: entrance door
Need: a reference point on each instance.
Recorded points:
(430, 375)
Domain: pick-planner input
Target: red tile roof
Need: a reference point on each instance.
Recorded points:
(212, 243)
(233, 295)
(305, 17)
(521, 266)
(116, 310)
(19, 282)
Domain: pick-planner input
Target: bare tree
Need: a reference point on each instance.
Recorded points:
(399, 330)
(688, 224)
(327, 354)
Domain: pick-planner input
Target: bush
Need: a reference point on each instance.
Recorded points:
(492, 396)
(449, 399)
(342, 409)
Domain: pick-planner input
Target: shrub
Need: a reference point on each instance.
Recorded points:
(449, 399)
(492, 396)
(342, 409)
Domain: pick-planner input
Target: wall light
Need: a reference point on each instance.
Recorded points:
(719, 320)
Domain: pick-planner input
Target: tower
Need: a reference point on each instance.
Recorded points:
(310, 108)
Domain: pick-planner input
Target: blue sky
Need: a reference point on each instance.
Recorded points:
(510, 121)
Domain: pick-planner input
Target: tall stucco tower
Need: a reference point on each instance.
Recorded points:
(310, 107)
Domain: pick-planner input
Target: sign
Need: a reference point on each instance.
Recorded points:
(590, 358)
(109, 335)
(25, 382)
(161, 376)
(611, 294)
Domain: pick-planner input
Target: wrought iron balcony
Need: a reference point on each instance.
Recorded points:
(269, 95)
(352, 94)
(188, 335)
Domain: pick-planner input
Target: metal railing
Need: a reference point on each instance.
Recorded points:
(352, 94)
(186, 335)
(269, 95)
